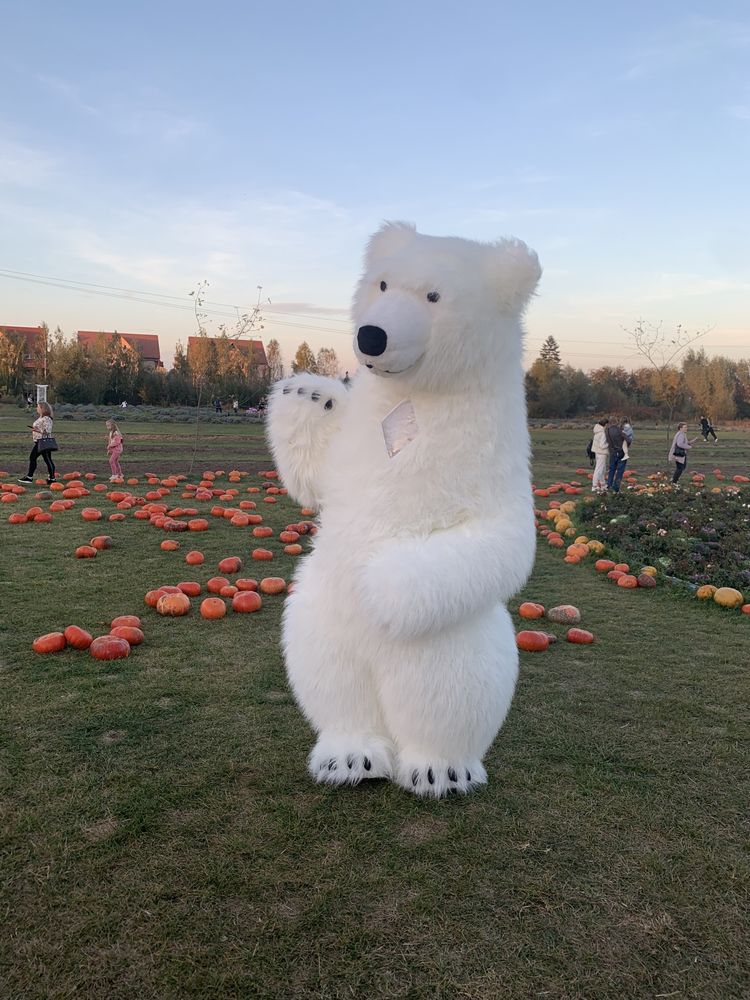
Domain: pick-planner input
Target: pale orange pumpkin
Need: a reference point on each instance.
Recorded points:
(173, 605)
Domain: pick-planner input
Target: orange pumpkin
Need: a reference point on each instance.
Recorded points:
(53, 642)
(169, 545)
(603, 565)
(262, 554)
(85, 552)
(91, 514)
(532, 642)
(215, 584)
(198, 524)
(615, 574)
(272, 585)
(77, 637)
(102, 542)
(195, 558)
(706, 591)
(232, 564)
(109, 647)
(228, 591)
(622, 567)
(173, 605)
(263, 531)
(293, 550)
(288, 536)
(627, 581)
(579, 636)
(245, 583)
(190, 588)
(133, 636)
(131, 621)
(213, 607)
(531, 610)
(246, 601)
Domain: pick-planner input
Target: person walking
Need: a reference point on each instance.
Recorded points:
(114, 450)
(617, 454)
(678, 452)
(235, 406)
(600, 450)
(44, 444)
(707, 428)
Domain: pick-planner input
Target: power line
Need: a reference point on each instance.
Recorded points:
(73, 284)
(183, 303)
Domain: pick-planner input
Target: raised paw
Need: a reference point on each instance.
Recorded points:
(438, 778)
(348, 760)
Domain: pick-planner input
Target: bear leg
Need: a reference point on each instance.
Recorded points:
(333, 685)
(444, 699)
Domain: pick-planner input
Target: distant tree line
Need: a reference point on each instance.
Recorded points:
(716, 386)
(106, 372)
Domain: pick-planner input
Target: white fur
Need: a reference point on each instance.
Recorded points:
(397, 643)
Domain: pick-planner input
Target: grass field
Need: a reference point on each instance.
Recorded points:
(160, 837)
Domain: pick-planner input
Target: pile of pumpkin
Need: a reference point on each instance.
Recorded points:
(727, 597)
(536, 641)
(125, 632)
(174, 601)
(560, 514)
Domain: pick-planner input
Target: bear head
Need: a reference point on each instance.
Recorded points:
(434, 311)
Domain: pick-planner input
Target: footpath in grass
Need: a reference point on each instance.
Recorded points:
(160, 836)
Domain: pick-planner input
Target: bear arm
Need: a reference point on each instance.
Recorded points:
(415, 586)
(304, 414)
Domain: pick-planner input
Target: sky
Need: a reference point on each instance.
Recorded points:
(148, 147)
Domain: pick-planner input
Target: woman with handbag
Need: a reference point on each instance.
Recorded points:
(679, 450)
(44, 444)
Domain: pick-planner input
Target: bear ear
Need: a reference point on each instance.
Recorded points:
(388, 240)
(515, 273)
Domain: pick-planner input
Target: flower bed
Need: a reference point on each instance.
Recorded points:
(696, 535)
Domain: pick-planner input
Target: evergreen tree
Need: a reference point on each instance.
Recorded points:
(550, 354)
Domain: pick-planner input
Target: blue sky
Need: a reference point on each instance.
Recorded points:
(149, 146)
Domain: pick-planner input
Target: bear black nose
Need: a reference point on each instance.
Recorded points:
(371, 340)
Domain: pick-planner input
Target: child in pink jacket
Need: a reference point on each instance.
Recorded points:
(114, 450)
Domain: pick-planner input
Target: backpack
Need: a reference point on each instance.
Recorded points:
(590, 453)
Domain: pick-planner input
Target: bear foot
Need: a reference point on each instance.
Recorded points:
(438, 778)
(349, 759)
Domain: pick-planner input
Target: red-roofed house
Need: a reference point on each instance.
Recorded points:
(252, 350)
(147, 344)
(33, 355)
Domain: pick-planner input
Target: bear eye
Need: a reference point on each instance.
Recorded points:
(383, 286)
(433, 296)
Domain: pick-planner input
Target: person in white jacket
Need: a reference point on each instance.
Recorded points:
(600, 448)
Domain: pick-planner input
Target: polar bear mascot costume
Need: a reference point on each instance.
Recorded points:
(397, 641)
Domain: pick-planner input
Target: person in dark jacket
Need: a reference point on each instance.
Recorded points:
(617, 455)
(707, 428)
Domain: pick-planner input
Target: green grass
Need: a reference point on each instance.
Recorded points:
(160, 837)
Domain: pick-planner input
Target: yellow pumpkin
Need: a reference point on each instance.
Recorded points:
(649, 570)
(706, 592)
(728, 597)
